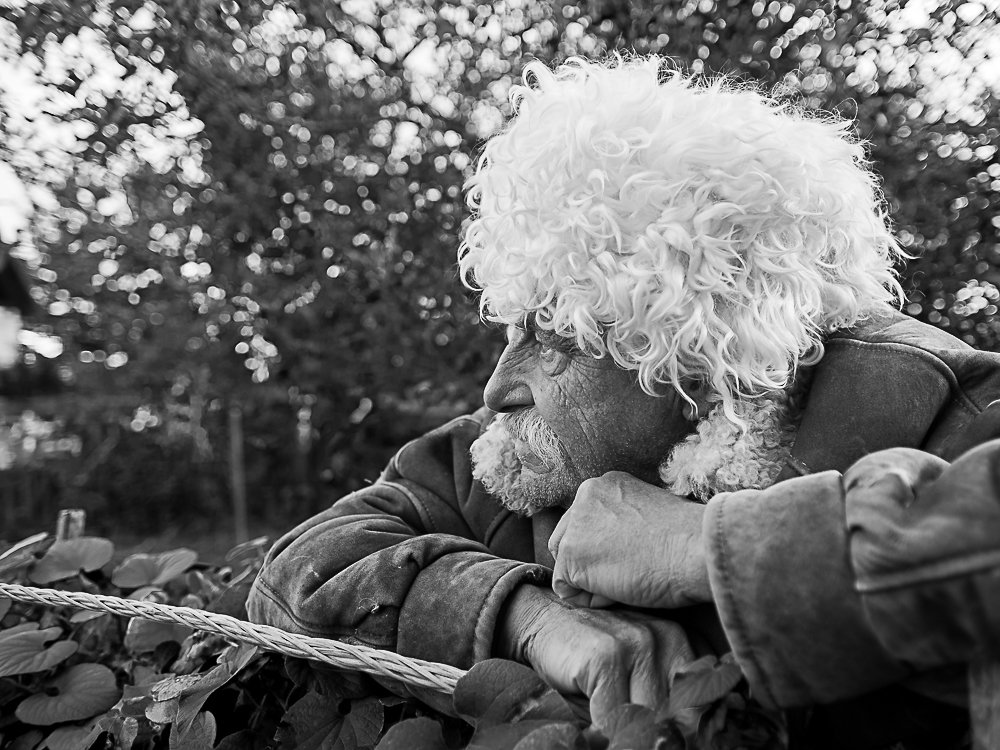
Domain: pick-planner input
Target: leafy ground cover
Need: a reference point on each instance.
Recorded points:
(80, 680)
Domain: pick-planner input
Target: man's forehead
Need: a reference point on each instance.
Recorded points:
(527, 326)
(517, 331)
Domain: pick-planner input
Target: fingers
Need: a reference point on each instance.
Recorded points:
(584, 599)
(616, 687)
(557, 534)
(610, 691)
(575, 592)
(562, 584)
(567, 591)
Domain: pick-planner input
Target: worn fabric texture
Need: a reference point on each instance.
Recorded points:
(422, 561)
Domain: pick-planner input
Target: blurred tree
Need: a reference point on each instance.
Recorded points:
(921, 80)
(257, 203)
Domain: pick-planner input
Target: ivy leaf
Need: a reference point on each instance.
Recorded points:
(28, 740)
(702, 682)
(66, 558)
(233, 598)
(421, 733)
(23, 650)
(363, 723)
(86, 615)
(631, 726)
(317, 724)
(339, 684)
(558, 736)
(148, 594)
(66, 738)
(166, 696)
(251, 551)
(498, 691)
(144, 569)
(232, 660)
(245, 739)
(178, 699)
(143, 636)
(739, 723)
(82, 691)
(199, 734)
(503, 736)
(23, 627)
(22, 553)
(128, 733)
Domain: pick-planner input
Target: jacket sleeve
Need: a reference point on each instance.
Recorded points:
(830, 586)
(398, 565)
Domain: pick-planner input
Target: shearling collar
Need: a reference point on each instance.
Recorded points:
(719, 456)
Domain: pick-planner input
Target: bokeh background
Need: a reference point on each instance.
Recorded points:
(228, 229)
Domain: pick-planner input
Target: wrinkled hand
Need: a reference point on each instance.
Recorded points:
(612, 657)
(623, 540)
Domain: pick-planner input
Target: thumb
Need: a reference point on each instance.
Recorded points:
(573, 591)
(610, 691)
(579, 598)
(563, 587)
(557, 534)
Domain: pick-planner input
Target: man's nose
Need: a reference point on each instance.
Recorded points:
(506, 389)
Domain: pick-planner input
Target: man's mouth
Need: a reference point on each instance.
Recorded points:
(529, 460)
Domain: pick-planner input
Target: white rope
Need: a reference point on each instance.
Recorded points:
(441, 677)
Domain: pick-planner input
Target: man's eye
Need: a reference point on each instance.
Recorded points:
(554, 352)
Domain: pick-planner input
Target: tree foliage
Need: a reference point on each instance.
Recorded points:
(257, 203)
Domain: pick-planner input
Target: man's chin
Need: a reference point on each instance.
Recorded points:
(512, 481)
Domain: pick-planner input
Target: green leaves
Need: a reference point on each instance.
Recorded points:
(141, 685)
(78, 693)
(22, 554)
(498, 691)
(23, 649)
(142, 636)
(316, 722)
(198, 735)
(414, 734)
(66, 558)
(152, 570)
(179, 699)
(71, 670)
(703, 681)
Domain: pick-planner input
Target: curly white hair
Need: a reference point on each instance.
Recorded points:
(695, 231)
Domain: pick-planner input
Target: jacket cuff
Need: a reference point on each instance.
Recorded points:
(461, 594)
(781, 577)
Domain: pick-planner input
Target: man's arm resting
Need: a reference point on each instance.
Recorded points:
(831, 586)
(784, 589)
(355, 576)
(398, 565)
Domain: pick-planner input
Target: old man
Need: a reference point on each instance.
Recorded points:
(697, 290)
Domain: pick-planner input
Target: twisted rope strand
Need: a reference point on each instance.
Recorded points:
(440, 677)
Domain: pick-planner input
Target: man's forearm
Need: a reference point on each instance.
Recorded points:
(520, 613)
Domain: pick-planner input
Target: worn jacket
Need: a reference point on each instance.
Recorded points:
(422, 561)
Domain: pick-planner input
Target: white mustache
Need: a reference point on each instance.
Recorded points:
(527, 427)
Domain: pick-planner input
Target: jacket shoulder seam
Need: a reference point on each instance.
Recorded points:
(394, 461)
(918, 353)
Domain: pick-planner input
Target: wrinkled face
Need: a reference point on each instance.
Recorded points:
(588, 417)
